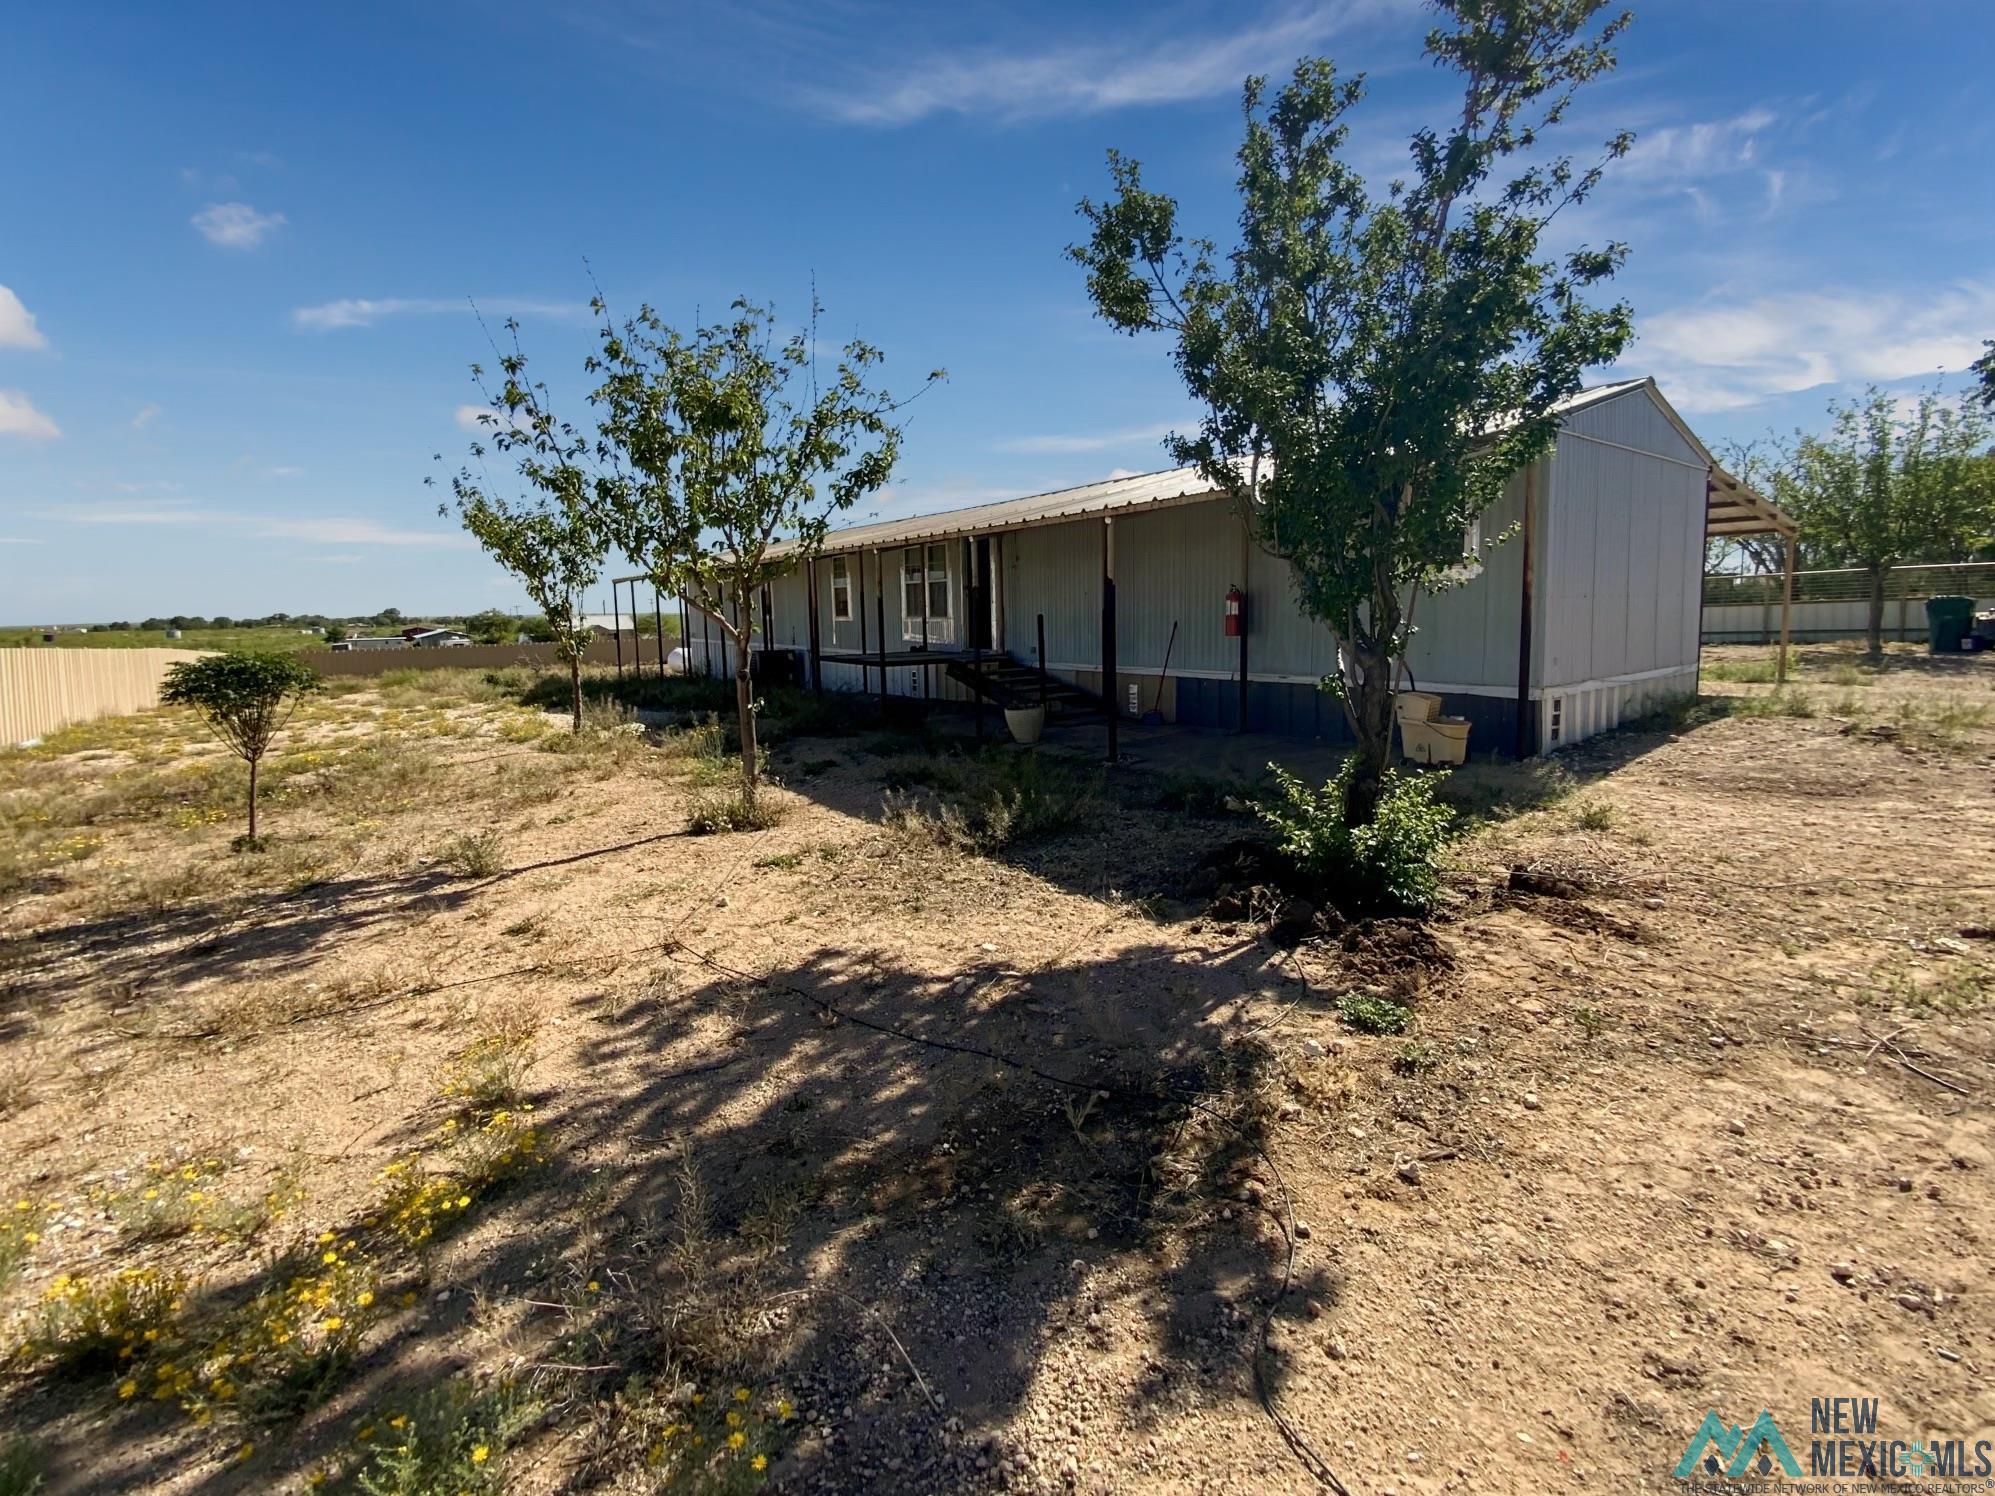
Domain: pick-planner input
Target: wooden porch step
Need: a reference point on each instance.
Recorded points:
(1011, 683)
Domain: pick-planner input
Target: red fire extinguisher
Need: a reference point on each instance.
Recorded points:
(1236, 605)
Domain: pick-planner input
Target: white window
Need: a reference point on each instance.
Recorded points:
(1470, 566)
(925, 600)
(841, 589)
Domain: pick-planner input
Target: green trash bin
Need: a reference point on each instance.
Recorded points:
(1948, 620)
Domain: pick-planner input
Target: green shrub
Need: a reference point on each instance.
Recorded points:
(1392, 861)
(1196, 794)
(451, 1442)
(989, 801)
(20, 1467)
(1369, 1013)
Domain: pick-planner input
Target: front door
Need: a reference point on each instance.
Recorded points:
(980, 594)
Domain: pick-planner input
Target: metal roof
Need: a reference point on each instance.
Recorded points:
(1732, 503)
(1142, 491)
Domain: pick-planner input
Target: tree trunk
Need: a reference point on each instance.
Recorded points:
(575, 691)
(1874, 627)
(1371, 721)
(744, 706)
(252, 802)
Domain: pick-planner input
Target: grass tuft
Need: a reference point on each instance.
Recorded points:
(469, 854)
(712, 811)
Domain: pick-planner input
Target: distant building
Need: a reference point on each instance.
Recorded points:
(392, 641)
(438, 639)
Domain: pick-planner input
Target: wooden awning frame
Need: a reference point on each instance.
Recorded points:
(1731, 509)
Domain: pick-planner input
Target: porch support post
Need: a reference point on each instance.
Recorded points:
(1526, 607)
(975, 622)
(1786, 607)
(1108, 634)
(616, 621)
(658, 630)
(859, 607)
(880, 618)
(816, 646)
(1246, 613)
(685, 635)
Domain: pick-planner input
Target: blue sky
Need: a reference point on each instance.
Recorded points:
(239, 239)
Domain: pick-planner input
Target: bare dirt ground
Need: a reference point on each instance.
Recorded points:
(968, 1130)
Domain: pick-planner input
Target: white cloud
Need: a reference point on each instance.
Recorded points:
(236, 225)
(17, 323)
(319, 529)
(1702, 149)
(283, 472)
(145, 416)
(18, 417)
(1088, 78)
(364, 311)
(1722, 356)
(335, 530)
(1096, 441)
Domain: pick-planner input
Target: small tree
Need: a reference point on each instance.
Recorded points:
(546, 536)
(245, 698)
(719, 445)
(1375, 367)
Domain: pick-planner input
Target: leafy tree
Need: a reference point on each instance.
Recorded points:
(720, 444)
(1984, 370)
(1375, 366)
(547, 536)
(491, 627)
(246, 698)
(335, 633)
(1882, 488)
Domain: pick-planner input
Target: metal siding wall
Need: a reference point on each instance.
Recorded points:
(1468, 634)
(1175, 565)
(1624, 563)
(789, 612)
(1635, 420)
(1055, 570)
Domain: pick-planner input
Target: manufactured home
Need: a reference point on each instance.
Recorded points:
(1146, 594)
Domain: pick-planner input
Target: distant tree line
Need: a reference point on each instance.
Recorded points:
(1889, 482)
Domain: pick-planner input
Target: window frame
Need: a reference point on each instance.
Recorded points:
(841, 590)
(920, 576)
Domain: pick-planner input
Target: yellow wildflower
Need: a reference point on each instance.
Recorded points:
(481, 1454)
(127, 1388)
(759, 1463)
(736, 1439)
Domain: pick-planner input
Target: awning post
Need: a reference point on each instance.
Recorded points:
(1786, 608)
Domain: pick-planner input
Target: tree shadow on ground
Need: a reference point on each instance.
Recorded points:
(824, 1178)
(145, 957)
